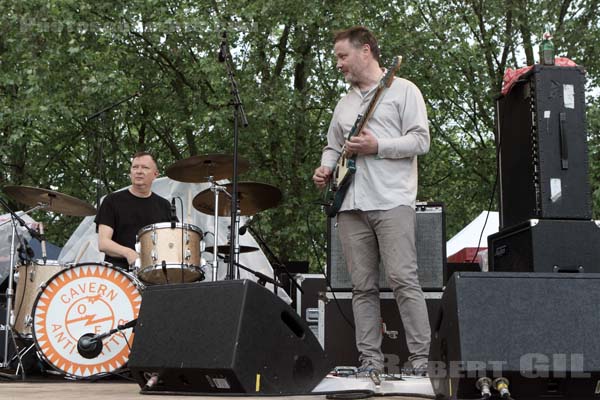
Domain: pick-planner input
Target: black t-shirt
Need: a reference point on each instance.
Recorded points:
(126, 214)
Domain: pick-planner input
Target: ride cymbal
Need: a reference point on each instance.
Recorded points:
(53, 201)
(197, 169)
(252, 197)
(224, 249)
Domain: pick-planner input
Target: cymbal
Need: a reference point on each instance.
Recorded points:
(55, 201)
(199, 168)
(224, 249)
(252, 197)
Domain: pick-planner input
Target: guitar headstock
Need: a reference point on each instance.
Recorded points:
(388, 78)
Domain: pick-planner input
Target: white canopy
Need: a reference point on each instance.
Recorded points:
(470, 234)
(6, 239)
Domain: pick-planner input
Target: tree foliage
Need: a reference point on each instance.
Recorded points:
(61, 61)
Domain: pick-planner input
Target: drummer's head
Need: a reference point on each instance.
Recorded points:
(143, 168)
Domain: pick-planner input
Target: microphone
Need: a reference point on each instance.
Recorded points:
(223, 47)
(173, 213)
(89, 346)
(43, 242)
(244, 228)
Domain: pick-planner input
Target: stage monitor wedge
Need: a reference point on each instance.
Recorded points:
(223, 337)
(538, 330)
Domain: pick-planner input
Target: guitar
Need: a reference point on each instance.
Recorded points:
(345, 168)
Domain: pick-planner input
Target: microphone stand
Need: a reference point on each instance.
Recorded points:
(238, 112)
(100, 114)
(279, 266)
(262, 279)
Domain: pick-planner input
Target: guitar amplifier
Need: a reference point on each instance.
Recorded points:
(336, 334)
(431, 251)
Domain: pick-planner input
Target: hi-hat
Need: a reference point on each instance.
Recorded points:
(197, 169)
(252, 197)
(52, 201)
(224, 249)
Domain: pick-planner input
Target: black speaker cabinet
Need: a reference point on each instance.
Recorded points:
(546, 245)
(223, 337)
(540, 331)
(431, 251)
(542, 147)
(337, 335)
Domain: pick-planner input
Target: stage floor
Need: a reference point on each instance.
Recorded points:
(67, 390)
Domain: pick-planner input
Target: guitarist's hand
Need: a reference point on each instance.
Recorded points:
(364, 143)
(321, 176)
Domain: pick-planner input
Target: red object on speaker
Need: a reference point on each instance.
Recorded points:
(466, 255)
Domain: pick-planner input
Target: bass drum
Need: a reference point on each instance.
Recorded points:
(85, 298)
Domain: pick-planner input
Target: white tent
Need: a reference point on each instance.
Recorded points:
(82, 246)
(6, 239)
(470, 235)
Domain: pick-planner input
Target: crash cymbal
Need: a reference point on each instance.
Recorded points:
(252, 196)
(224, 249)
(54, 201)
(199, 168)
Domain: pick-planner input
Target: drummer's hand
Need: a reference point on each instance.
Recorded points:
(131, 256)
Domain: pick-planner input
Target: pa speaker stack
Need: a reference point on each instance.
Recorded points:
(529, 326)
(227, 337)
(545, 197)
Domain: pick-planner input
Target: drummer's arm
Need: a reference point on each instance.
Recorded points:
(112, 248)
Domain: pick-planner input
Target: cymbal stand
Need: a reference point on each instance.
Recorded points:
(216, 189)
(8, 327)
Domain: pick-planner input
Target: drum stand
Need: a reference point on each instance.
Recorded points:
(8, 327)
(216, 189)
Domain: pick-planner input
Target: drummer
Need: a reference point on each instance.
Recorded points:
(123, 213)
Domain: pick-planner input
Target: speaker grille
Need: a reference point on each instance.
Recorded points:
(431, 251)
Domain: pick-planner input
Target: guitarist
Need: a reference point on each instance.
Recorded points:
(377, 217)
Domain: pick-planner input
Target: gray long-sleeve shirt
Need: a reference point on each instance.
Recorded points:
(399, 122)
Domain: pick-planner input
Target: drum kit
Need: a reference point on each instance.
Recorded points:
(56, 304)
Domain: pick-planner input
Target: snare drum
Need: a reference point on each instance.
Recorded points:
(85, 298)
(29, 279)
(170, 255)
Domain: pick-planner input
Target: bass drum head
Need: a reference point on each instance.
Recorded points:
(85, 298)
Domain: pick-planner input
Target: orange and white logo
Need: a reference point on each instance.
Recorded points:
(89, 298)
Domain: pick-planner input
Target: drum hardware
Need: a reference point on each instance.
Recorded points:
(197, 169)
(9, 331)
(80, 298)
(252, 197)
(50, 200)
(224, 249)
(169, 255)
(30, 278)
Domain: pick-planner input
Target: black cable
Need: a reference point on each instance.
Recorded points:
(487, 215)
(126, 341)
(321, 268)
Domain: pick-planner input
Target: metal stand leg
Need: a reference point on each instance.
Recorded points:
(216, 189)
(9, 298)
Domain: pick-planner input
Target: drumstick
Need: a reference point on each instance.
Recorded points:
(82, 251)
